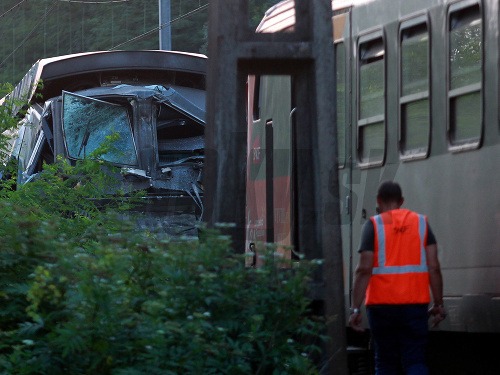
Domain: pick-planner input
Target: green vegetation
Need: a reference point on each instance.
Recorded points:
(84, 292)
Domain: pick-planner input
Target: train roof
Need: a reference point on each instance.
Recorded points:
(281, 17)
(77, 70)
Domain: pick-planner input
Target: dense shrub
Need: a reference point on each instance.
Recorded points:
(83, 292)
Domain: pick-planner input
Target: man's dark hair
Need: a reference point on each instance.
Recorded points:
(389, 191)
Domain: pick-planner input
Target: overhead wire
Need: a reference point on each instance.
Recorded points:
(94, 2)
(30, 33)
(200, 8)
(11, 9)
(159, 27)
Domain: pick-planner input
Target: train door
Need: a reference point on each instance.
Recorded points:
(269, 166)
(341, 38)
(270, 180)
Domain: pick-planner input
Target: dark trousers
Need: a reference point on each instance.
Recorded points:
(400, 335)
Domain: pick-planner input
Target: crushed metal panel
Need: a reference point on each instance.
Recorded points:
(166, 126)
(278, 18)
(58, 72)
(281, 17)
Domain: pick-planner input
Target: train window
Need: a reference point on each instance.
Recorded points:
(256, 98)
(87, 124)
(27, 137)
(371, 110)
(414, 90)
(340, 56)
(179, 137)
(465, 57)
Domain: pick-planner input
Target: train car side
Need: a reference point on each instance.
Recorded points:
(440, 140)
(417, 102)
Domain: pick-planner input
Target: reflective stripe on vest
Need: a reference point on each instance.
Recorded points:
(382, 269)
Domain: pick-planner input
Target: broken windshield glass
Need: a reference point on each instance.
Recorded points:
(87, 124)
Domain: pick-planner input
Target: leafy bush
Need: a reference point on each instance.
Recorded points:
(7, 122)
(83, 292)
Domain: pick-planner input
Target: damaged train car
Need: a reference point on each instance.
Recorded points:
(154, 101)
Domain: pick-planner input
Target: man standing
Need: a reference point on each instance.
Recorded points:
(398, 263)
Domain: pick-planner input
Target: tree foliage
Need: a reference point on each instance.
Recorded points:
(95, 296)
(83, 291)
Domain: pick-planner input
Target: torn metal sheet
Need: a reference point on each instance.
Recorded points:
(155, 111)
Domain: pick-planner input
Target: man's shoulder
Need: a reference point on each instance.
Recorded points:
(367, 237)
(368, 223)
(406, 211)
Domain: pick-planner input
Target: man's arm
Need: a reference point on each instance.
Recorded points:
(362, 276)
(436, 284)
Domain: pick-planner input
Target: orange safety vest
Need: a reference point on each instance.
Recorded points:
(400, 274)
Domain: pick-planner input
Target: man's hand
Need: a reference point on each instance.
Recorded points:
(355, 321)
(438, 314)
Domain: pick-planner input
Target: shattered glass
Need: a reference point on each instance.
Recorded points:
(89, 122)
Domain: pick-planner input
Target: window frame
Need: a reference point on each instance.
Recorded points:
(342, 159)
(256, 98)
(452, 94)
(130, 127)
(421, 20)
(370, 37)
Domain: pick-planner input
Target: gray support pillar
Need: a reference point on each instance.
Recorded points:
(307, 54)
(226, 126)
(327, 184)
(164, 24)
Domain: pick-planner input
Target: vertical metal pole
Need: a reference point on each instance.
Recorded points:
(165, 28)
(45, 34)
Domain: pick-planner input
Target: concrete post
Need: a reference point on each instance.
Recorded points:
(307, 54)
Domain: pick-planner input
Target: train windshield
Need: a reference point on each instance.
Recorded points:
(97, 128)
